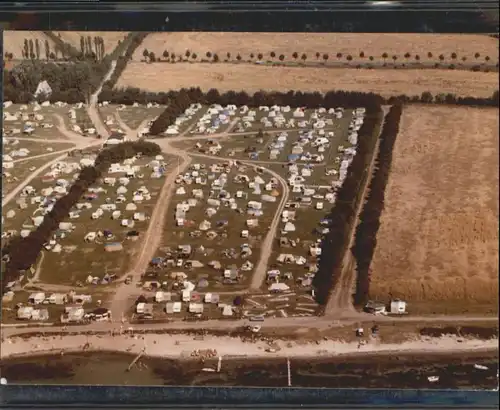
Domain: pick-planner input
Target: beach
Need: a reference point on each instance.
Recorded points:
(182, 346)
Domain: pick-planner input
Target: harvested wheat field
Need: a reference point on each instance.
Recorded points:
(387, 82)
(13, 42)
(438, 239)
(464, 45)
(110, 38)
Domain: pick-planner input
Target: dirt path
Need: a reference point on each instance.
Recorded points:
(128, 131)
(92, 106)
(38, 271)
(48, 140)
(266, 249)
(153, 236)
(70, 135)
(310, 322)
(48, 154)
(131, 134)
(341, 298)
(15, 192)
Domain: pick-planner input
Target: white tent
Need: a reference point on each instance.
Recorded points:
(43, 89)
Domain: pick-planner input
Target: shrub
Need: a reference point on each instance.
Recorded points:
(366, 231)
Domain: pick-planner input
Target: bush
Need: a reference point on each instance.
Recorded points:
(366, 231)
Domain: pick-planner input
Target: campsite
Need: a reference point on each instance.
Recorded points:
(264, 186)
(111, 213)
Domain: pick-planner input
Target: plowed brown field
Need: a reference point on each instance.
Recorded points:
(438, 239)
(165, 76)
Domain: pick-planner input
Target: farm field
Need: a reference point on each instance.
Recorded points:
(375, 45)
(14, 42)
(387, 82)
(438, 239)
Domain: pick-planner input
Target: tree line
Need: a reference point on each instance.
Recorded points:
(24, 252)
(343, 214)
(91, 48)
(366, 231)
(454, 60)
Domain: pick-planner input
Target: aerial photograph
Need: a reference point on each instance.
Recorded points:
(250, 209)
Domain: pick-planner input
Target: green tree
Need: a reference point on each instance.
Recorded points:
(47, 49)
(26, 50)
(37, 49)
(31, 49)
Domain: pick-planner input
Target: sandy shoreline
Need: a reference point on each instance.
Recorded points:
(182, 346)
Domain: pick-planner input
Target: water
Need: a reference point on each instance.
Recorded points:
(364, 371)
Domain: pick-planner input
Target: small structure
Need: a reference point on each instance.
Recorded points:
(227, 310)
(398, 307)
(36, 298)
(196, 308)
(58, 299)
(377, 308)
(24, 313)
